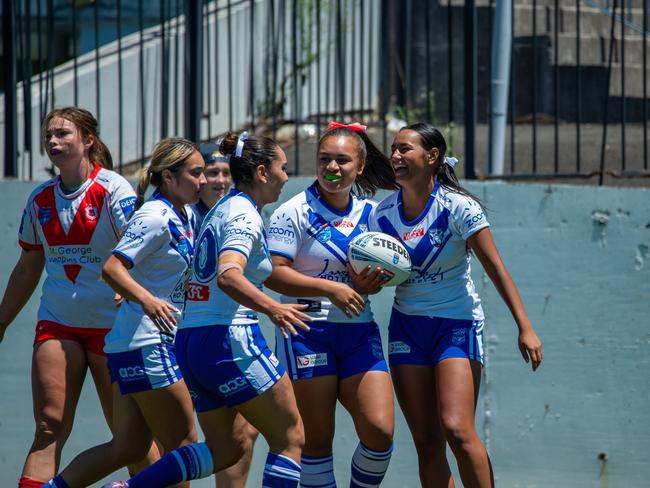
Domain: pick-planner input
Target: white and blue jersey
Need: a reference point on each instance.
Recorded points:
(159, 244)
(440, 283)
(233, 224)
(200, 210)
(315, 237)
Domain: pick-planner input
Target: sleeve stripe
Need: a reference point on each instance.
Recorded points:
(284, 255)
(30, 247)
(121, 254)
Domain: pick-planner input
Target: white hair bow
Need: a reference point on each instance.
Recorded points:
(240, 144)
(451, 161)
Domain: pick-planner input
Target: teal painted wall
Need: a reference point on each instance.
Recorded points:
(581, 259)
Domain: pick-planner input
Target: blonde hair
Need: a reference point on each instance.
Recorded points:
(170, 153)
(87, 125)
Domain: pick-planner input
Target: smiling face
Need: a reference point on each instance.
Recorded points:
(218, 180)
(338, 164)
(411, 162)
(64, 142)
(184, 185)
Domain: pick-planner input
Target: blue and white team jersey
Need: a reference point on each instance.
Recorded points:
(315, 237)
(159, 244)
(232, 224)
(200, 210)
(440, 284)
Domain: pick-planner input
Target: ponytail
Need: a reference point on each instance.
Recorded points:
(100, 154)
(143, 183)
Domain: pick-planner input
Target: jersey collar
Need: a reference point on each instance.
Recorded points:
(424, 212)
(313, 190)
(71, 196)
(157, 196)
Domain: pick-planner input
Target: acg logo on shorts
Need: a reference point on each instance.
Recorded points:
(233, 386)
(398, 347)
(311, 360)
(131, 372)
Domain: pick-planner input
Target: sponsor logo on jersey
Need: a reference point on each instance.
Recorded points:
(131, 372)
(324, 234)
(458, 336)
(475, 219)
(183, 246)
(363, 228)
(127, 205)
(343, 224)
(398, 347)
(412, 234)
(274, 360)
(72, 255)
(311, 360)
(436, 237)
(233, 386)
(44, 214)
(281, 234)
(197, 292)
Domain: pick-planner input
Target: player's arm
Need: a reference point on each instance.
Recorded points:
(21, 285)
(116, 274)
(286, 280)
(483, 246)
(232, 281)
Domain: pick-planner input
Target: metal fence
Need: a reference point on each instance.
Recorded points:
(577, 99)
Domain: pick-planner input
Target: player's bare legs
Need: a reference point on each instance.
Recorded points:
(236, 475)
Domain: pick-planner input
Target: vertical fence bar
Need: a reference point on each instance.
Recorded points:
(193, 80)
(120, 88)
(623, 104)
(578, 88)
(50, 56)
(251, 93)
(39, 51)
(470, 89)
(340, 59)
(27, 88)
(408, 56)
(215, 72)
(75, 53)
(450, 63)
(143, 112)
(534, 86)
(177, 68)
(362, 59)
(427, 62)
(206, 58)
(97, 79)
(164, 74)
(556, 87)
(318, 66)
(513, 92)
(372, 75)
(230, 83)
(606, 97)
(274, 71)
(294, 81)
(9, 85)
(645, 85)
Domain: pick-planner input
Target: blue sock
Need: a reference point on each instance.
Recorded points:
(185, 463)
(56, 482)
(369, 467)
(279, 472)
(317, 472)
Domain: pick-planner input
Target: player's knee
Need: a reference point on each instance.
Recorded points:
(49, 430)
(459, 432)
(131, 451)
(428, 444)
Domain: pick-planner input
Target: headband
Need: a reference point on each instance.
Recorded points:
(355, 126)
(240, 144)
(451, 161)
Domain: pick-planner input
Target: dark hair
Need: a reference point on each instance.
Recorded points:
(87, 125)
(170, 153)
(431, 137)
(377, 173)
(257, 150)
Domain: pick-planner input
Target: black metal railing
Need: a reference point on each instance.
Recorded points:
(577, 100)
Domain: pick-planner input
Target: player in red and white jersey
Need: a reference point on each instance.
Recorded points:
(70, 226)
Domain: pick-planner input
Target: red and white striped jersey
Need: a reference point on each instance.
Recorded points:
(77, 232)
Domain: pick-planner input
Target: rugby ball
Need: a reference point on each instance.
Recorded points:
(379, 249)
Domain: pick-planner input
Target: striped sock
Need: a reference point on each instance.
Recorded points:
(26, 482)
(369, 467)
(317, 472)
(185, 463)
(56, 482)
(280, 472)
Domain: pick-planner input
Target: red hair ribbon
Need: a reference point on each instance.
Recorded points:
(355, 126)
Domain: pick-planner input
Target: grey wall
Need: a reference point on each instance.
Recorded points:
(581, 259)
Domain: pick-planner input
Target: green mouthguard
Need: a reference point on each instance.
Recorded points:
(332, 177)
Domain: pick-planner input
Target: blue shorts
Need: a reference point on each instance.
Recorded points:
(331, 349)
(415, 339)
(147, 368)
(226, 365)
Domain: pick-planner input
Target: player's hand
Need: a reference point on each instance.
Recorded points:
(530, 347)
(369, 281)
(345, 298)
(287, 316)
(161, 313)
(118, 299)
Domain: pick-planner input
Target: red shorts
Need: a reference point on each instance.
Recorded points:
(90, 338)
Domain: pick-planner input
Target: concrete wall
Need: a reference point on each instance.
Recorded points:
(581, 258)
